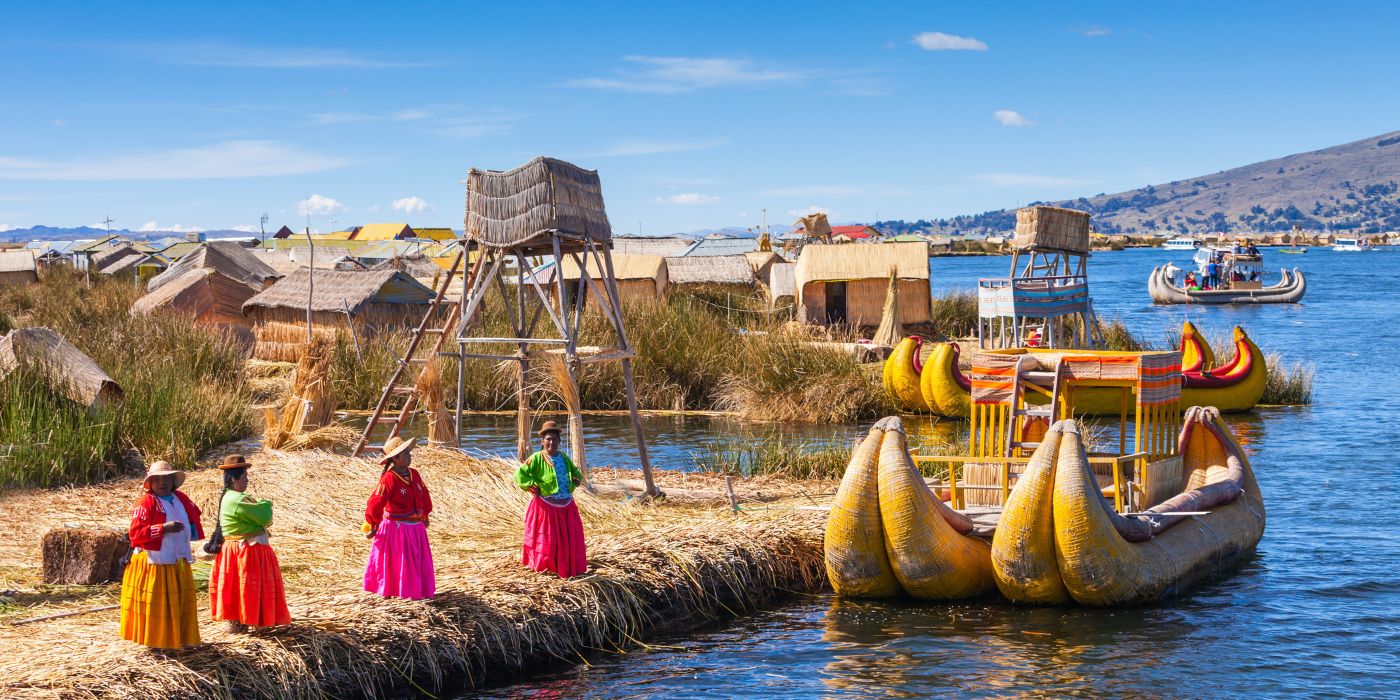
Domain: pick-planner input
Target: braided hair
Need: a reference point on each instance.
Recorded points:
(215, 543)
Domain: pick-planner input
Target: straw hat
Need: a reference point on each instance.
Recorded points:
(549, 427)
(394, 447)
(162, 468)
(234, 462)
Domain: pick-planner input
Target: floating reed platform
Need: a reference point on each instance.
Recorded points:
(655, 568)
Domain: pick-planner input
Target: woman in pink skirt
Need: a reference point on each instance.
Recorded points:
(553, 529)
(396, 520)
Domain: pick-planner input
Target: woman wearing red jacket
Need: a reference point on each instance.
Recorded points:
(396, 520)
(158, 608)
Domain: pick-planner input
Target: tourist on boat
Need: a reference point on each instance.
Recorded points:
(1212, 274)
(158, 602)
(1190, 280)
(396, 520)
(553, 529)
(245, 583)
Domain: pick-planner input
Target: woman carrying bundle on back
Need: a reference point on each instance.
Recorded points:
(158, 608)
(245, 584)
(396, 519)
(553, 528)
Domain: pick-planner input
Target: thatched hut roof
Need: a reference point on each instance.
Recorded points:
(18, 263)
(625, 267)
(527, 205)
(710, 269)
(415, 264)
(337, 290)
(209, 295)
(824, 263)
(72, 372)
(228, 258)
(652, 245)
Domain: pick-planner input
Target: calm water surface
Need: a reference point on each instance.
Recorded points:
(1316, 613)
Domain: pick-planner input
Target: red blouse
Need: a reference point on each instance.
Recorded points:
(399, 499)
(149, 515)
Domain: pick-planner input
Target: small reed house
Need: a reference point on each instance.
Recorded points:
(638, 276)
(18, 267)
(848, 283)
(367, 302)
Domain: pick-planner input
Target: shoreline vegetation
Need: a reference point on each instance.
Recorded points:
(189, 389)
(655, 568)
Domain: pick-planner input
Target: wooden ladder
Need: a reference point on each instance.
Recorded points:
(410, 359)
(1021, 411)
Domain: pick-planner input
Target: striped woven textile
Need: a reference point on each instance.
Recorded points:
(1159, 378)
(993, 378)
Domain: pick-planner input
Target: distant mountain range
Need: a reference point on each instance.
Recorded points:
(60, 233)
(1351, 187)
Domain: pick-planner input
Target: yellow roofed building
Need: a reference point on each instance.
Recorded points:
(436, 234)
(384, 232)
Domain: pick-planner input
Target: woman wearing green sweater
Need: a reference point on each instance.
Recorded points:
(553, 528)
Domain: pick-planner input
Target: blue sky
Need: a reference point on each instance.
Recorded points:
(206, 116)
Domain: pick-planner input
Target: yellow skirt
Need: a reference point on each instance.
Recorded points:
(158, 607)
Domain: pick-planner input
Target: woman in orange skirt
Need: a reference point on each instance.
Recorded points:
(158, 608)
(245, 585)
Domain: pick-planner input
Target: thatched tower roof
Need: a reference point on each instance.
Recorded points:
(542, 198)
(339, 290)
(68, 368)
(228, 258)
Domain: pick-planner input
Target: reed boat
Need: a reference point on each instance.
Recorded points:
(888, 533)
(947, 391)
(1059, 540)
(1288, 290)
(1174, 501)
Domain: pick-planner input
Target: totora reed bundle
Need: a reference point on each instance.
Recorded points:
(654, 569)
(442, 427)
(311, 405)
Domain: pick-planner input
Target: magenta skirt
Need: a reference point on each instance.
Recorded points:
(400, 562)
(554, 538)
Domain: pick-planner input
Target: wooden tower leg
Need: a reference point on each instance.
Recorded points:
(522, 411)
(615, 300)
(576, 442)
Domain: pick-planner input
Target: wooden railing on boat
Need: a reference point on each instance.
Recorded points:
(1127, 491)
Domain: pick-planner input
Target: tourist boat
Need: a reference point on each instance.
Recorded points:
(1350, 245)
(1290, 288)
(1056, 542)
(1067, 521)
(945, 390)
(1182, 243)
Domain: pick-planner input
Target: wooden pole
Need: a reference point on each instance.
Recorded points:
(628, 385)
(310, 282)
(575, 408)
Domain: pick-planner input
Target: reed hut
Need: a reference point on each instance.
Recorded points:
(762, 262)
(367, 302)
(67, 368)
(211, 297)
(225, 257)
(638, 277)
(18, 267)
(782, 284)
(665, 246)
(848, 283)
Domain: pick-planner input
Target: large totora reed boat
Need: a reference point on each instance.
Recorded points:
(944, 389)
(1136, 512)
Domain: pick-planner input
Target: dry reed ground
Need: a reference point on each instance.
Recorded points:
(655, 568)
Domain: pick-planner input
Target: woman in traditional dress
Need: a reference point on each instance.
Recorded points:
(245, 585)
(396, 519)
(158, 608)
(553, 529)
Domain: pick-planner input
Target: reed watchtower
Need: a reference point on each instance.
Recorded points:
(1045, 301)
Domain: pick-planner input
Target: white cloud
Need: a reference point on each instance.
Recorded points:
(471, 127)
(1017, 180)
(409, 115)
(674, 74)
(231, 56)
(1095, 30)
(60, 122)
(938, 41)
(411, 205)
(690, 198)
(643, 147)
(318, 205)
(6, 227)
(151, 225)
(1006, 117)
(228, 159)
(246, 229)
(798, 213)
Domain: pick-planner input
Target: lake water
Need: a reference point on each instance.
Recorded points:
(1315, 613)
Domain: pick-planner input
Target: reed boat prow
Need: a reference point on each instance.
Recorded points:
(1104, 558)
(901, 374)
